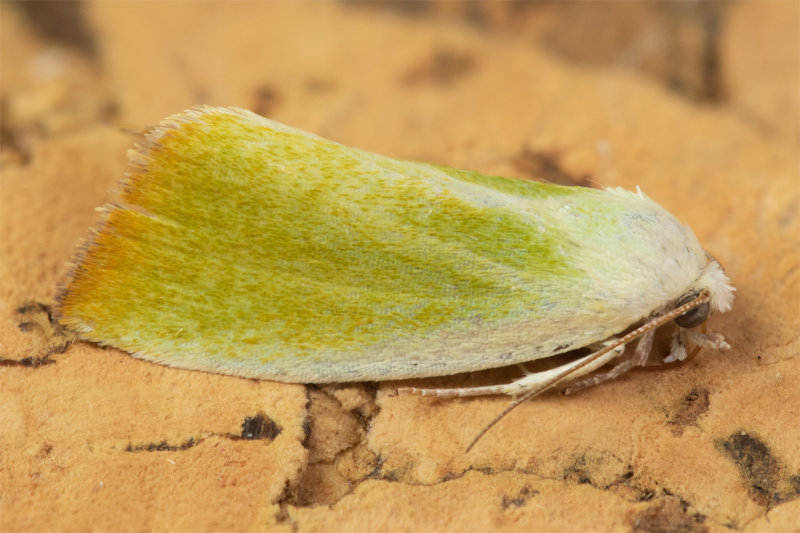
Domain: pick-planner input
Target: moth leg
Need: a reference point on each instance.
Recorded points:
(525, 371)
(619, 350)
(594, 347)
(639, 359)
(532, 383)
(707, 340)
(678, 350)
(681, 336)
(454, 393)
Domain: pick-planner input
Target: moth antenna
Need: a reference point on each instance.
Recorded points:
(652, 324)
(524, 398)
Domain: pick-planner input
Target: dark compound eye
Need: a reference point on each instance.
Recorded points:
(692, 317)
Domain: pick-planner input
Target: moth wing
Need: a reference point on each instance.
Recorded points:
(245, 247)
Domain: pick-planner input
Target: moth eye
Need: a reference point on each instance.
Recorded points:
(695, 316)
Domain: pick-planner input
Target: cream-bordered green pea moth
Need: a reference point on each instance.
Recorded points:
(245, 247)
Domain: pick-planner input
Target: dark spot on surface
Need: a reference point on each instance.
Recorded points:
(109, 112)
(45, 450)
(766, 478)
(443, 67)
(669, 515)
(39, 315)
(562, 347)
(162, 446)
(578, 472)
(32, 307)
(688, 410)
(62, 22)
(376, 469)
(27, 327)
(711, 88)
(605, 471)
(260, 427)
(522, 497)
(51, 336)
(27, 362)
(755, 463)
(646, 496)
(546, 167)
(266, 100)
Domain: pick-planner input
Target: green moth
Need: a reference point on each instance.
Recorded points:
(246, 247)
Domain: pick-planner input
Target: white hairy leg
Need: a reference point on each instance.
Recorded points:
(678, 350)
(707, 340)
(639, 359)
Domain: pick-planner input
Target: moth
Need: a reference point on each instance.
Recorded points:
(245, 247)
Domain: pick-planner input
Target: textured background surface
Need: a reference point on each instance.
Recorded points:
(697, 103)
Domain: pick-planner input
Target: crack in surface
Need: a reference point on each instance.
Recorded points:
(664, 512)
(336, 427)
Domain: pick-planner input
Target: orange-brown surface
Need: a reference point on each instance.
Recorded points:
(697, 103)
